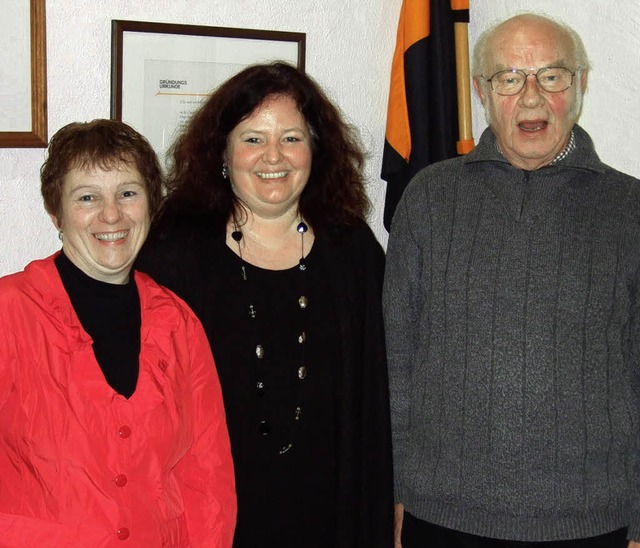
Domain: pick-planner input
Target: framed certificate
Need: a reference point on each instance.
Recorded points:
(23, 74)
(161, 73)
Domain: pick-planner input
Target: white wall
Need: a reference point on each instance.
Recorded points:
(349, 49)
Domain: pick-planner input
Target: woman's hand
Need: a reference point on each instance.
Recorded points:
(397, 526)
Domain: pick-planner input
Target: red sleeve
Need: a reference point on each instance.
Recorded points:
(206, 473)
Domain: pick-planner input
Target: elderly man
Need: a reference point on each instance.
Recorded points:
(512, 308)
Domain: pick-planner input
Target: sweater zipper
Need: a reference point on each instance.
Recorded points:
(525, 192)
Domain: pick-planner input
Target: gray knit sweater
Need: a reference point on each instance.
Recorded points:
(511, 308)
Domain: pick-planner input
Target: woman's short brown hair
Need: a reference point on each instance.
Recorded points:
(105, 144)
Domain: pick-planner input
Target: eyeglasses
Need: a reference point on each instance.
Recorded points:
(550, 79)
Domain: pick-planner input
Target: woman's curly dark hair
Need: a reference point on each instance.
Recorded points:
(334, 195)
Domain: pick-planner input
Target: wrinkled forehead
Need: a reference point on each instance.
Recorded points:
(529, 44)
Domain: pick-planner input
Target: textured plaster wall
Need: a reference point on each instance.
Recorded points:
(349, 48)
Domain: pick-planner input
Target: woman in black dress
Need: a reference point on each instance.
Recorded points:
(264, 235)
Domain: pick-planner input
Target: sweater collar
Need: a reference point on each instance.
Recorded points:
(568, 149)
(582, 156)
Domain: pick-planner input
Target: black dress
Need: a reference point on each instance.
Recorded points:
(333, 488)
(285, 466)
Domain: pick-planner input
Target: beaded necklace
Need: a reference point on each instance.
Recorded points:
(264, 427)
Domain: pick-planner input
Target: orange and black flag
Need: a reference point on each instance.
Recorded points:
(422, 116)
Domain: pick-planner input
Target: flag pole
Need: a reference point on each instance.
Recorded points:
(461, 36)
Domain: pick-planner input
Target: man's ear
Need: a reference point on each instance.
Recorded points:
(584, 77)
(477, 86)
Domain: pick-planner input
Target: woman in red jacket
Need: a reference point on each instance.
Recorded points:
(112, 426)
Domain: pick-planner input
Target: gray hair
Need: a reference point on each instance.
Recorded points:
(480, 52)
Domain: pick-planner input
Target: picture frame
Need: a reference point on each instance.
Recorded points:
(161, 73)
(23, 75)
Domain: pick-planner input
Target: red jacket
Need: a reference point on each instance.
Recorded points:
(80, 465)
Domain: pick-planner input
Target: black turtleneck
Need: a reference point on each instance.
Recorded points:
(110, 314)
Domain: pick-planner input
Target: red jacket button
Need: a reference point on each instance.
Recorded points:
(120, 480)
(123, 533)
(124, 431)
